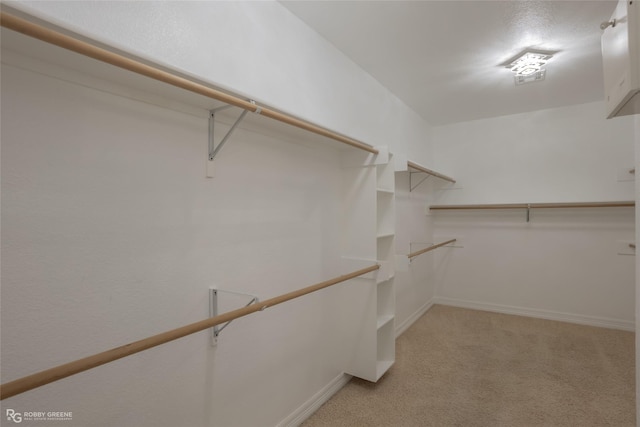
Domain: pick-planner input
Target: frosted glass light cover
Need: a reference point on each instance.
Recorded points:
(529, 63)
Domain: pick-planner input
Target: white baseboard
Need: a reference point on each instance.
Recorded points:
(603, 322)
(415, 316)
(298, 416)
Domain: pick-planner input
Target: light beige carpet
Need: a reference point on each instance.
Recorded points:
(459, 367)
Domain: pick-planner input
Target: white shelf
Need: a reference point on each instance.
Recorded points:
(375, 352)
(384, 319)
(384, 191)
(385, 235)
(388, 279)
(385, 292)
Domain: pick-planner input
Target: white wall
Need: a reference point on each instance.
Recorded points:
(255, 48)
(563, 263)
(415, 286)
(562, 154)
(112, 233)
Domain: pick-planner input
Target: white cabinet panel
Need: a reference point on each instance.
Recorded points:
(621, 60)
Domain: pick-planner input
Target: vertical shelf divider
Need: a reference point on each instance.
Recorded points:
(385, 292)
(370, 229)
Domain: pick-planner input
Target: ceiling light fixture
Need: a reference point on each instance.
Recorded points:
(529, 66)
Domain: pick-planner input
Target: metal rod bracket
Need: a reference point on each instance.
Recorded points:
(213, 310)
(213, 149)
(258, 109)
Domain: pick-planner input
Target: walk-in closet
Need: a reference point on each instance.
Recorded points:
(283, 213)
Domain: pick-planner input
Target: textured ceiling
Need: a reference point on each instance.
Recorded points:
(442, 58)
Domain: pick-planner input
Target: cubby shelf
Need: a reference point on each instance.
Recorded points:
(386, 235)
(384, 191)
(386, 352)
(384, 319)
(385, 295)
(373, 222)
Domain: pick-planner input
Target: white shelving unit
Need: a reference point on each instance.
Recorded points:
(385, 254)
(370, 234)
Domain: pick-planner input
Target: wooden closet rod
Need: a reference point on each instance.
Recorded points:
(62, 371)
(67, 42)
(537, 205)
(429, 171)
(430, 248)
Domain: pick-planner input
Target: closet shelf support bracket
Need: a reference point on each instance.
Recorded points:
(213, 149)
(213, 310)
(413, 187)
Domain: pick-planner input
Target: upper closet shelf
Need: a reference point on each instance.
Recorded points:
(529, 206)
(421, 169)
(78, 45)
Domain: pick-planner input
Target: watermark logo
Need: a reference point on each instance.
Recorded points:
(14, 416)
(18, 417)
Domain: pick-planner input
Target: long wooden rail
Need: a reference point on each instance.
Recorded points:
(420, 168)
(62, 371)
(67, 42)
(537, 205)
(430, 248)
